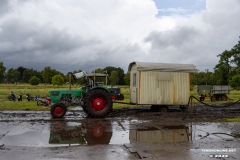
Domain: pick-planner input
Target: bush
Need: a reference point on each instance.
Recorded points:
(58, 80)
(34, 80)
(235, 81)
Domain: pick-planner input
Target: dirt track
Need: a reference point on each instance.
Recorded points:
(124, 134)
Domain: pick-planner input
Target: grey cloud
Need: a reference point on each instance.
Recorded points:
(4, 6)
(119, 55)
(28, 44)
(23, 41)
(92, 42)
(173, 38)
(26, 37)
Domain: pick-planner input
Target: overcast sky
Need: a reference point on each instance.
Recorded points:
(87, 34)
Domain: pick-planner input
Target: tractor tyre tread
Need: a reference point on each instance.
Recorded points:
(93, 94)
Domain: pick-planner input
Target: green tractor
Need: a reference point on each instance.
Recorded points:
(94, 98)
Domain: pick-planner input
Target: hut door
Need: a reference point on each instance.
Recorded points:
(133, 90)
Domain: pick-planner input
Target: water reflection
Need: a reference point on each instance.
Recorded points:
(90, 133)
(95, 131)
(165, 134)
(84, 133)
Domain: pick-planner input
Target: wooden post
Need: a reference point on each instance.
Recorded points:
(70, 81)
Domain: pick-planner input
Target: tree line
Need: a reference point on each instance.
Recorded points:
(49, 75)
(226, 72)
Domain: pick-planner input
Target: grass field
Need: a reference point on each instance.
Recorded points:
(42, 90)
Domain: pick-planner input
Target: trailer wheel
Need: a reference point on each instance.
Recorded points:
(164, 109)
(58, 110)
(98, 103)
(121, 97)
(155, 108)
(224, 97)
(113, 98)
(213, 98)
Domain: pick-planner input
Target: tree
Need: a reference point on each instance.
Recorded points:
(48, 73)
(202, 78)
(98, 70)
(228, 65)
(20, 70)
(29, 73)
(34, 80)
(12, 75)
(121, 76)
(58, 80)
(2, 72)
(127, 78)
(120, 72)
(235, 81)
(114, 78)
(224, 68)
(236, 57)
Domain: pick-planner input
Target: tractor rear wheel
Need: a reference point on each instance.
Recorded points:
(58, 110)
(98, 103)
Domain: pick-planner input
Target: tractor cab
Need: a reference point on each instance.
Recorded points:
(92, 79)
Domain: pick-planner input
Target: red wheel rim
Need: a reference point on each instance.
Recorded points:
(98, 103)
(98, 131)
(58, 111)
(113, 98)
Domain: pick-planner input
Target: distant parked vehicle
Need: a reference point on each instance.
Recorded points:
(116, 93)
(20, 97)
(44, 102)
(12, 97)
(214, 92)
(29, 97)
(37, 97)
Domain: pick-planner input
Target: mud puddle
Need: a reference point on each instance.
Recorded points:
(93, 132)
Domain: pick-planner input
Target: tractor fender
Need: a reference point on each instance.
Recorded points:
(103, 88)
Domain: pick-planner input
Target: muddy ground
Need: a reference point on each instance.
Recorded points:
(123, 134)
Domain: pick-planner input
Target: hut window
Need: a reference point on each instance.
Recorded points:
(134, 79)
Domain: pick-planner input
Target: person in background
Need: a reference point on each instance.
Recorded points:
(20, 97)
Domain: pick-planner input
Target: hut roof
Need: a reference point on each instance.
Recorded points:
(163, 67)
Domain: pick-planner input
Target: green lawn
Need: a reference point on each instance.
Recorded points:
(42, 90)
(24, 105)
(229, 120)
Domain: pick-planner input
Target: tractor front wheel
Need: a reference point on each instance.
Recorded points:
(98, 103)
(58, 110)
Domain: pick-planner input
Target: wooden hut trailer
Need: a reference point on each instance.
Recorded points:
(160, 84)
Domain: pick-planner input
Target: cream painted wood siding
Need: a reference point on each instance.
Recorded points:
(163, 88)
